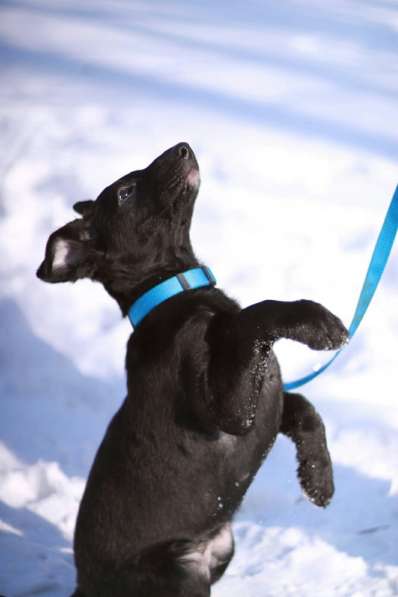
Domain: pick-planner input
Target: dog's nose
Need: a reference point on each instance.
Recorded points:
(183, 151)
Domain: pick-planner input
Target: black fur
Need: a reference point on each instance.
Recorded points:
(205, 399)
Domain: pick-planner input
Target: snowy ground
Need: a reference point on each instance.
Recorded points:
(292, 110)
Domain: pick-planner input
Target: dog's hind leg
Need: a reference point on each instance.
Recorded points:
(174, 569)
(185, 583)
(302, 424)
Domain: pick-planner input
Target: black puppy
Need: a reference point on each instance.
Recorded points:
(205, 398)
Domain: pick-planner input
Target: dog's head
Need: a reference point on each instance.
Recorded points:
(138, 224)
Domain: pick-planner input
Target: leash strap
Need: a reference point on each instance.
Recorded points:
(197, 277)
(376, 268)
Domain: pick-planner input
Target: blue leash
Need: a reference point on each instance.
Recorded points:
(376, 268)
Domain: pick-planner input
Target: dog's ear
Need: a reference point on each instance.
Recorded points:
(84, 208)
(70, 254)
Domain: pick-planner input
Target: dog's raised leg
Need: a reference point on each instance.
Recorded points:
(241, 359)
(304, 321)
(304, 426)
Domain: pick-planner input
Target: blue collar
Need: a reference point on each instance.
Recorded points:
(189, 280)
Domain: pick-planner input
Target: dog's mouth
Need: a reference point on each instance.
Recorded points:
(178, 170)
(193, 178)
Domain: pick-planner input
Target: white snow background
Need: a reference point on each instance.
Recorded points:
(292, 110)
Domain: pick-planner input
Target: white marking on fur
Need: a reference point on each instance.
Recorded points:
(198, 561)
(211, 554)
(227, 441)
(60, 253)
(220, 546)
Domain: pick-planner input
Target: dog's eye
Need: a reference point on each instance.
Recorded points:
(125, 193)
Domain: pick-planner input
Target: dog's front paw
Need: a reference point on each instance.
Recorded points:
(316, 479)
(319, 328)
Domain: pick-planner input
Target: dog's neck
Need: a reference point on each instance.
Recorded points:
(126, 281)
(154, 257)
(191, 279)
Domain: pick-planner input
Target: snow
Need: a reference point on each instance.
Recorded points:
(291, 109)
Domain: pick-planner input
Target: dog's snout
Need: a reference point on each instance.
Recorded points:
(180, 161)
(183, 151)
